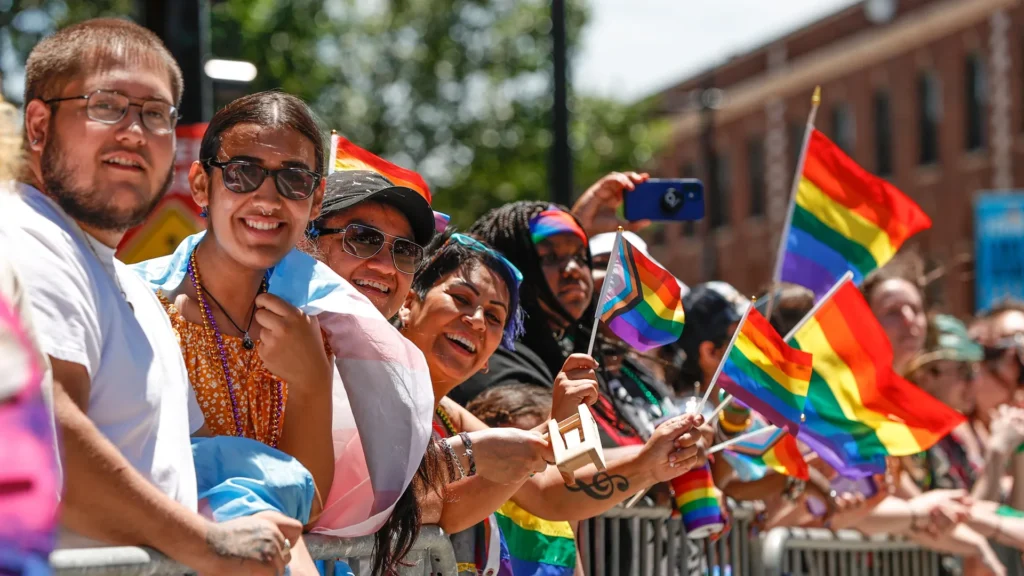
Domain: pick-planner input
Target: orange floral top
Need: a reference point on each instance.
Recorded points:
(257, 393)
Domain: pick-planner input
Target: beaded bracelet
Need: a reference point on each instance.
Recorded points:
(469, 452)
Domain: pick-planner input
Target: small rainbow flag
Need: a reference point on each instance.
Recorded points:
(783, 457)
(843, 219)
(858, 410)
(537, 547)
(640, 301)
(348, 156)
(763, 372)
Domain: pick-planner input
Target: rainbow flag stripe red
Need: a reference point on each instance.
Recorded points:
(858, 410)
(640, 301)
(351, 157)
(766, 374)
(844, 219)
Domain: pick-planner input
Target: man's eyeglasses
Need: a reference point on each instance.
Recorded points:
(365, 242)
(243, 176)
(473, 243)
(109, 107)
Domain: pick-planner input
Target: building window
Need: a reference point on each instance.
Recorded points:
(883, 134)
(929, 97)
(843, 128)
(718, 201)
(755, 175)
(975, 99)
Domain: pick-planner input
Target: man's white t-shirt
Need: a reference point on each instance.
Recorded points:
(140, 397)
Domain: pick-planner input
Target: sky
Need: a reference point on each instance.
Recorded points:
(633, 48)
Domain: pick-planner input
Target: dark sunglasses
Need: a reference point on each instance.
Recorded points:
(365, 242)
(243, 176)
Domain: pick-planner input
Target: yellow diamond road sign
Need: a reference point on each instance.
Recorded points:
(170, 223)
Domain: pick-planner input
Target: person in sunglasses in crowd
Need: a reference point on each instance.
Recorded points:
(100, 113)
(463, 304)
(372, 233)
(255, 362)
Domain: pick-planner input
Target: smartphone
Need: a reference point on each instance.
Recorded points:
(669, 199)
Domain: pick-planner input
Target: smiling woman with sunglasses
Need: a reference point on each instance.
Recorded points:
(260, 367)
(372, 232)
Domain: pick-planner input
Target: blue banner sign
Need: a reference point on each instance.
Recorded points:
(998, 248)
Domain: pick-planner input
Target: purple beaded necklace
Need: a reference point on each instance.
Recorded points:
(211, 323)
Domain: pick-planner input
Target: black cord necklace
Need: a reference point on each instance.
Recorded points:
(247, 342)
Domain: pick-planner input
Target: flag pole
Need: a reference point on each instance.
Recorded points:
(781, 253)
(725, 358)
(817, 305)
(721, 406)
(332, 159)
(723, 445)
(604, 291)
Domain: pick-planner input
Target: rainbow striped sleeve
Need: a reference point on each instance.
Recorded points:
(537, 547)
(352, 157)
(844, 219)
(858, 410)
(641, 301)
(766, 374)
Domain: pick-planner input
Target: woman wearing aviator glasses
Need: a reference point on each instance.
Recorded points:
(372, 234)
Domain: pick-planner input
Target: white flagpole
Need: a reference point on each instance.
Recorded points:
(780, 254)
(721, 406)
(817, 305)
(723, 445)
(332, 159)
(604, 291)
(725, 358)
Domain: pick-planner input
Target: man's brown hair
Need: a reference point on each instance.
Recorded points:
(90, 45)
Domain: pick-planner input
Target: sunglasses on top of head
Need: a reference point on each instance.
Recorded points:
(244, 176)
(364, 242)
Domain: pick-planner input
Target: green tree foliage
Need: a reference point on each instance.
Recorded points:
(459, 90)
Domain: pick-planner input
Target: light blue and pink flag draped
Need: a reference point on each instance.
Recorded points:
(380, 431)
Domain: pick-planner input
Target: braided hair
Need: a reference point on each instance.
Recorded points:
(507, 229)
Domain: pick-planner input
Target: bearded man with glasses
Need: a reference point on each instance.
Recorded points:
(99, 144)
(372, 232)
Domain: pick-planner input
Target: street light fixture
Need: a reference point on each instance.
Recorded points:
(230, 70)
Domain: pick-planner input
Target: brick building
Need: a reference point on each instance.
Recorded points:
(928, 93)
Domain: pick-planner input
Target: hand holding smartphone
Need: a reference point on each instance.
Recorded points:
(677, 199)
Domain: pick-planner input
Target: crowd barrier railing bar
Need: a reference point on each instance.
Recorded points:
(813, 552)
(432, 553)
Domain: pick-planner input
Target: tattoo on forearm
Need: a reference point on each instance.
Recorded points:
(602, 486)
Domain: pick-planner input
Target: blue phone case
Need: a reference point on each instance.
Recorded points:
(669, 199)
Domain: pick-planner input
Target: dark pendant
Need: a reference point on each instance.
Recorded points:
(247, 342)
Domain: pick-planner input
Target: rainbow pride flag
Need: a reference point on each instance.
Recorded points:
(348, 156)
(844, 219)
(640, 301)
(763, 372)
(783, 457)
(858, 410)
(537, 547)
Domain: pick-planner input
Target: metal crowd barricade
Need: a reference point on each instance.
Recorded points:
(648, 541)
(813, 552)
(431, 554)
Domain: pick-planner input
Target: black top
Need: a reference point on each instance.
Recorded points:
(523, 366)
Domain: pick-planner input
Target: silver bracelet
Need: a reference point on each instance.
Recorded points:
(451, 454)
(468, 444)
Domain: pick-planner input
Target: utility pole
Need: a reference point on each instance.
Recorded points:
(561, 155)
(184, 27)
